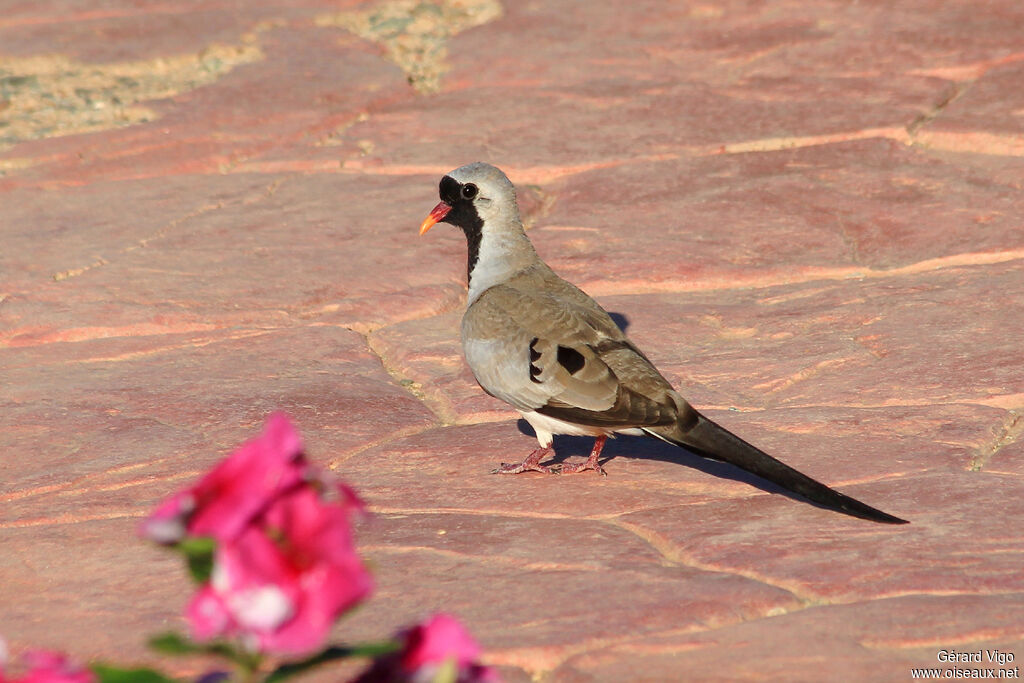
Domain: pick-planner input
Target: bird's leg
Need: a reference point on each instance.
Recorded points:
(531, 464)
(591, 463)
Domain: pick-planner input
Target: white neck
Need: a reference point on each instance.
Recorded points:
(502, 255)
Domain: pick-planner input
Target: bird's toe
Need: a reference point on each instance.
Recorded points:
(516, 468)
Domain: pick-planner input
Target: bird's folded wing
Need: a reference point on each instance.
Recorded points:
(543, 353)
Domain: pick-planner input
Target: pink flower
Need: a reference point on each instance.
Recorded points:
(50, 667)
(238, 489)
(284, 580)
(284, 561)
(439, 638)
(439, 646)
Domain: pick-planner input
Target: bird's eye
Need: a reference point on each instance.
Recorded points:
(469, 190)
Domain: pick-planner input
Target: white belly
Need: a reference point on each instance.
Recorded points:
(546, 427)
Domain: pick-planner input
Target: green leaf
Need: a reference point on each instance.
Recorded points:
(200, 567)
(172, 643)
(371, 650)
(250, 661)
(198, 552)
(113, 674)
(192, 545)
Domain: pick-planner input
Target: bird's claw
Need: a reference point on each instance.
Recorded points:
(531, 464)
(573, 468)
(516, 468)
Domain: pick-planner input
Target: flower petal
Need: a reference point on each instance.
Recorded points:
(207, 615)
(439, 638)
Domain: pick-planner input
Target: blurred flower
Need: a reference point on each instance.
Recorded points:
(282, 583)
(282, 566)
(439, 650)
(49, 667)
(238, 489)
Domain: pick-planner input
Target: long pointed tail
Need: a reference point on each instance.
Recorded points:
(706, 438)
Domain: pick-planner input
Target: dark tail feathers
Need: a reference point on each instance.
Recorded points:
(706, 438)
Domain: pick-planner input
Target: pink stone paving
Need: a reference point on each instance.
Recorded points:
(810, 215)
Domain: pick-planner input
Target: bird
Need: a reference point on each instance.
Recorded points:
(542, 345)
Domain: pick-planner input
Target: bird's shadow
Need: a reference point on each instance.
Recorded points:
(649, 448)
(619, 319)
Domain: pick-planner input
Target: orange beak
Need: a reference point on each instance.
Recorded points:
(439, 212)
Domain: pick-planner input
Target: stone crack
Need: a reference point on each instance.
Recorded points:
(440, 409)
(415, 34)
(1007, 433)
(674, 555)
(955, 91)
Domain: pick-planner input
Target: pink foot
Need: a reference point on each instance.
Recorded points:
(574, 467)
(531, 464)
(591, 463)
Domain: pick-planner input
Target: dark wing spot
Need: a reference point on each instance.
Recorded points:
(534, 357)
(570, 359)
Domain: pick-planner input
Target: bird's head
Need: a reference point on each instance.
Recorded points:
(472, 196)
